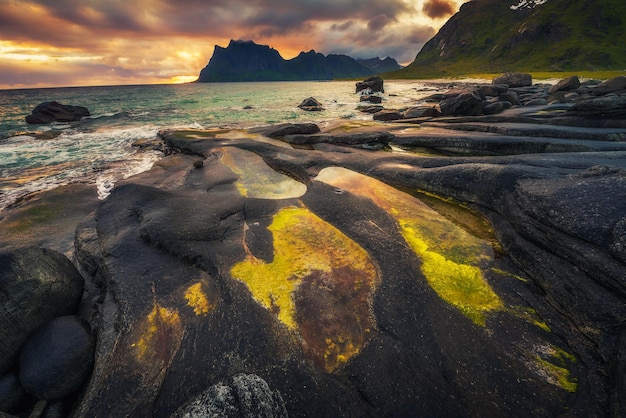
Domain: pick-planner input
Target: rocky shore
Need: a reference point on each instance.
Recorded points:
(466, 258)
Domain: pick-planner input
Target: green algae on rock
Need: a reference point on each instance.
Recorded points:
(257, 179)
(319, 271)
(450, 255)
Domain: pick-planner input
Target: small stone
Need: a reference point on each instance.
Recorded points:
(57, 359)
(198, 164)
(12, 394)
(311, 104)
(387, 115)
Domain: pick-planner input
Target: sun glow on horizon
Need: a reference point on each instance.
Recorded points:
(181, 79)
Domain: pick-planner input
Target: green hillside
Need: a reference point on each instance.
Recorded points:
(487, 36)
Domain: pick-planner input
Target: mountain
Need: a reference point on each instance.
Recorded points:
(491, 36)
(380, 66)
(248, 61)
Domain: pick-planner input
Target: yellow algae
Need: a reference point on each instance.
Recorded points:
(552, 363)
(198, 300)
(506, 273)
(319, 284)
(257, 179)
(450, 255)
(530, 315)
(160, 334)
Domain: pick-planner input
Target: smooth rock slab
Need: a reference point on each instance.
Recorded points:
(36, 285)
(57, 358)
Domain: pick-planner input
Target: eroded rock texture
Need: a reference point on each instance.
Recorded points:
(350, 282)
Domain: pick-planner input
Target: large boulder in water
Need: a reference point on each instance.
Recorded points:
(36, 285)
(311, 104)
(57, 358)
(47, 112)
(373, 83)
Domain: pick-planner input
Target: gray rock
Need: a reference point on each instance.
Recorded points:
(491, 90)
(57, 359)
(511, 97)
(608, 107)
(36, 285)
(245, 396)
(47, 112)
(370, 108)
(567, 84)
(376, 84)
(467, 103)
(514, 80)
(367, 140)
(610, 86)
(311, 104)
(536, 102)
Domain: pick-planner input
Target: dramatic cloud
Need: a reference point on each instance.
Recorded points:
(437, 9)
(72, 42)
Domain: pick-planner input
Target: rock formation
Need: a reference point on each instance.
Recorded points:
(56, 112)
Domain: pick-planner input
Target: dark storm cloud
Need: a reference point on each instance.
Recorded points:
(190, 17)
(378, 22)
(436, 9)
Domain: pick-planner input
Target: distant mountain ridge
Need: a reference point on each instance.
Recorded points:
(248, 61)
(491, 36)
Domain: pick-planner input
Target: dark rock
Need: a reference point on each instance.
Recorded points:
(279, 131)
(376, 84)
(370, 108)
(496, 107)
(56, 112)
(610, 86)
(198, 164)
(55, 409)
(514, 80)
(509, 96)
(536, 102)
(371, 99)
(491, 90)
(245, 396)
(36, 285)
(311, 104)
(607, 107)
(467, 103)
(366, 140)
(12, 394)
(420, 112)
(57, 359)
(567, 84)
(388, 115)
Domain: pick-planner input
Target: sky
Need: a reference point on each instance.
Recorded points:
(52, 43)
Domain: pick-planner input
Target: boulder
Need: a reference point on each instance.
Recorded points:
(373, 83)
(370, 108)
(514, 80)
(388, 115)
(509, 96)
(311, 104)
(37, 285)
(371, 99)
(569, 83)
(12, 394)
(491, 90)
(57, 359)
(467, 103)
(47, 112)
(610, 86)
(279, 131)
(496, 107)
(245, 396)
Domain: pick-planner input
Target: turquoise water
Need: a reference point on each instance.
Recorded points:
(98, 150)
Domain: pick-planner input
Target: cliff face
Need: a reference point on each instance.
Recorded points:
(514, 35)
(248, 61)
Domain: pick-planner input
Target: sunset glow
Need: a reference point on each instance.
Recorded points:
(97, 42)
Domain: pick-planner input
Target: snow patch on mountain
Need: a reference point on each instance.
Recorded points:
(528, 4)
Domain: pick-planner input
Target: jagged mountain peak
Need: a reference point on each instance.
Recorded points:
(527, 4)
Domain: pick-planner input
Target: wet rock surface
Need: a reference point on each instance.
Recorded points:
(476, 269)
(56, 112)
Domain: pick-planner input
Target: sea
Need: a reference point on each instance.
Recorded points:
(99, 151)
